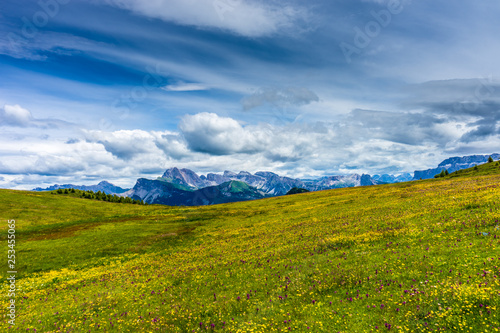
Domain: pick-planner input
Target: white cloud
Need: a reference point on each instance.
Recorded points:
(181, 86)
(124, 144)
(172, 144)
(246, 18)
(14, 115)
(17, 116)
(209, 133)
(133, 145)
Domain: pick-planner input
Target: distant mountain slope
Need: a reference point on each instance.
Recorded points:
(386, 178)
(158, 192)
(327, 183)
(231, 191)
(103, 186)
(166, 193)
(453, 164)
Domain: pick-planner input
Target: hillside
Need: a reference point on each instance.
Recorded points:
(409, 257)
(453, 164)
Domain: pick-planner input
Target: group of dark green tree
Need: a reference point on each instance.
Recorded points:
(99, 196)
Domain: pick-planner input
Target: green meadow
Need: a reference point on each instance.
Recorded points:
(421, 256)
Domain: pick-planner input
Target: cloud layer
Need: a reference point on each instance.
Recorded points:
(363, 141)
(281, 98)
(252, 19)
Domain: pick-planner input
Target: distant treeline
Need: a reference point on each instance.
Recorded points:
(99, 196)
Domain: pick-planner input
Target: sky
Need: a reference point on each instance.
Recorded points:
(120, 89)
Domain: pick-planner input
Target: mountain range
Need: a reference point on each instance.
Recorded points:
(103, 186)
(184, 187)
(268, 182)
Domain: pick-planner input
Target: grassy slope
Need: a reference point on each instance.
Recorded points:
(238, 187)
(418, 256)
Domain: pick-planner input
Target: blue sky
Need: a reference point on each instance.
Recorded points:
(121, 89)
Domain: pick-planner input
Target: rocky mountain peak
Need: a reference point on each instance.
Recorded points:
(229, 174)
(183, 177)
